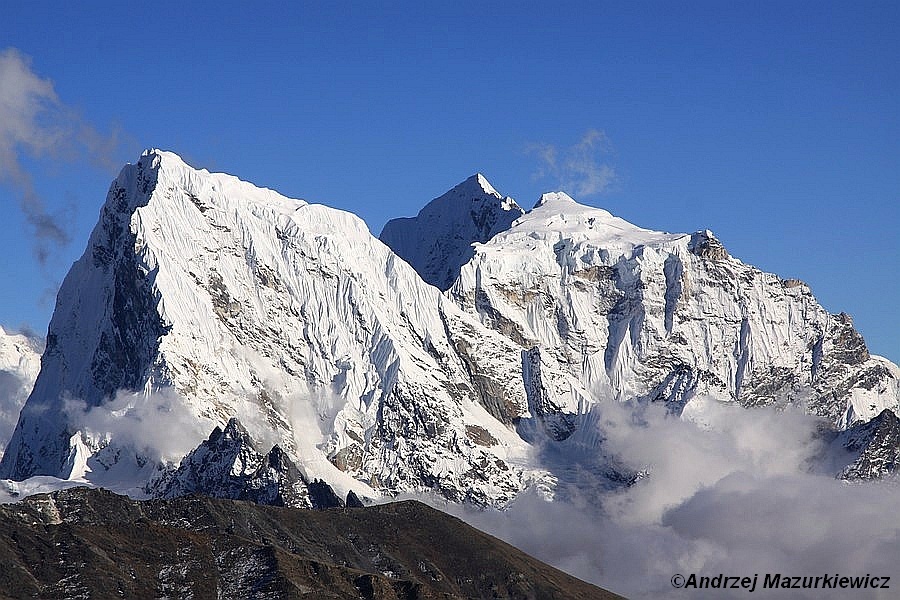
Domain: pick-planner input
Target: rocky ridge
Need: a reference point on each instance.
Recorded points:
(230, 465)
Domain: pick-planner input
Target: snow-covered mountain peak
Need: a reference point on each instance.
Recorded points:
(229, 464)
(288, 315)
(706, 245)
(637, 313)
(327, 345)
(484, 184)
(438, 241)
(554, 200)
(233, 431)
(557, 217)
(206, 189)
(470, 189)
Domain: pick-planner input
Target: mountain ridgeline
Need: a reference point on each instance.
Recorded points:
(95, 544)
(434, 359)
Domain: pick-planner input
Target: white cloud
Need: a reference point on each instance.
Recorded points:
(579, 169)
(739, 494)
(35, 123)
(160, 426)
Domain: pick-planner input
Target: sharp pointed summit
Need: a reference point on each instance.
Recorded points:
(476, 183)
(229, 464)
(241, 302)
(438, 241)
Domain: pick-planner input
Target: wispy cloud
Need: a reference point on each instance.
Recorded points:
(35, 123)
(580, 169)
(161, 426)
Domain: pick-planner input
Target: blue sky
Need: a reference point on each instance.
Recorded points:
(775, 124)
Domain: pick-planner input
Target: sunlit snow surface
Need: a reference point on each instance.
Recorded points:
(20, 361)
(624, 312)
(201, 297)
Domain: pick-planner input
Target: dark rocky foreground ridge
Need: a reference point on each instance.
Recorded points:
(91, 543)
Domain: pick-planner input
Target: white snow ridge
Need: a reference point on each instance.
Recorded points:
(201, 297)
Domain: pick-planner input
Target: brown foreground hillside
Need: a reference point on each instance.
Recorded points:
(92, 543)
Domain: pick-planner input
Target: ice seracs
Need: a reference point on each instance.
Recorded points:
(614, 310)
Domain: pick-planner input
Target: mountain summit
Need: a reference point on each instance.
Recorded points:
(201, 297)
(615, 310)
(438, 241)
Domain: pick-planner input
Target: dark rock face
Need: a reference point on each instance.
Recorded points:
(844, 367)
(93, 543)
(322, 496)
(849, 345)
(353, 500)
(878, 444)
(547, 415)
(230, 465)
(705, 245)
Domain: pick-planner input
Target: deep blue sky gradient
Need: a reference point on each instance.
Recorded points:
(775, 124)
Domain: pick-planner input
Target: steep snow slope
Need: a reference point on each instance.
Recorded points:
(290, 316)
(438, 241)
(20, 361)
(605, 308)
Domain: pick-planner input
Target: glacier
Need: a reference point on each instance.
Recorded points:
(462, 353)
